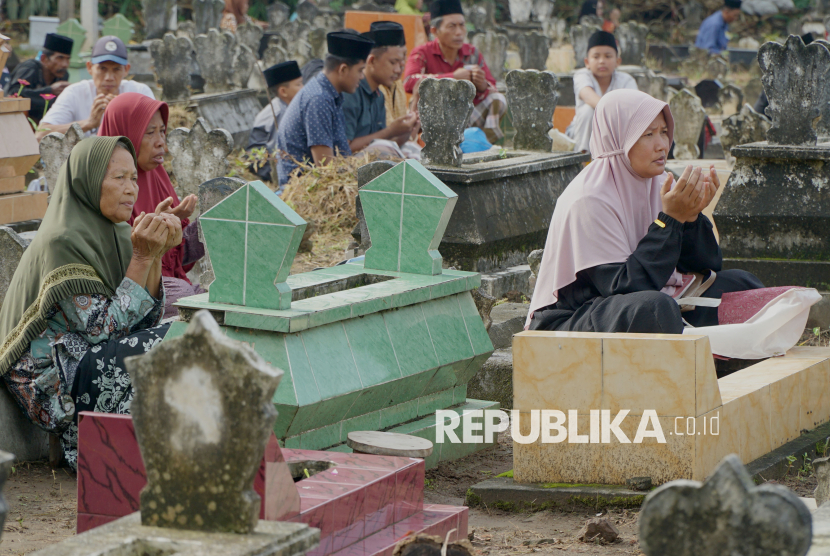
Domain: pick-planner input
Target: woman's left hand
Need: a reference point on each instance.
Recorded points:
(713, 184)
(174, 231)
(186, 207)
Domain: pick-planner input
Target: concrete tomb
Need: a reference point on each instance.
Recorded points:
(532, 97)
(747, 126)
(445, 106)
(198, 154)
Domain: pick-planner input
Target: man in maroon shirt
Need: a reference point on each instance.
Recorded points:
(449, 56)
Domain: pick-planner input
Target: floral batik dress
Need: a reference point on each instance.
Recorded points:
(77, 363)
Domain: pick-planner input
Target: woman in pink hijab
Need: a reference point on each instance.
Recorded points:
(623, 233)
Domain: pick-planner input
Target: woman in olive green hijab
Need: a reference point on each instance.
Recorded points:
(87, 293)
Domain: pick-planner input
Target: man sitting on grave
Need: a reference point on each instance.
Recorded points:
(712, 33)
(87, 293)
(625, 240)
(144, 122)
(449, 56)
(314, 128)
(284, 80)
(598, 77)
(45, 76)
(84, 102)
(365, 109)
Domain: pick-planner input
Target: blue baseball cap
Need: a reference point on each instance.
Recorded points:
(109, 49)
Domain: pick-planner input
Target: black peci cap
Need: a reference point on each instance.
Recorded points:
(58, 43)
(386, 33)
(440, 8)
(602, 38)
(348, 45)
(733, 4)
(280, 73)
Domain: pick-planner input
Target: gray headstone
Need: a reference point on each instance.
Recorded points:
(199, 154)
(294, 31)
(591, 21)
(535, 260)
(243, 65)
(716, 68)
(249, 34)
(172, 58)
(542, 9)
(693, 14)
(520, 10)
(747, 126)
(278, 14)
(317, 42)
(299, 50)
(533, 50)
(632, 38)
(55, 149)
(156, 17)
(6, 462)
(730, 98)
(186, 29)
(752, 90)
(479, 17)
(207, 14)
(275, 52)
(689, 116)
(493, 47)
(215, 52)
(445, 106)
(532, 97)
(556, 29)
(210, 193)
(11, 250)
(579, 40)
(202, 414)
(821, 466)
(795, 80)
(307, 11)
(727, 515)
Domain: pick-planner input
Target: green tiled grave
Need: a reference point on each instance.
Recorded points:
(73, 29)
(119, 26)
(382, 355)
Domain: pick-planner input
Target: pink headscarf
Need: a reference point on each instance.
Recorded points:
(606, 210)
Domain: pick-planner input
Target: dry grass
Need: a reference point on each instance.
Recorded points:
(180, 116)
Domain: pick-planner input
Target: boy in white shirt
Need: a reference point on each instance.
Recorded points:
(599, 76)
(84, 102)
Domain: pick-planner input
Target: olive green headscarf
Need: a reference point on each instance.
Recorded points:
(77, 249)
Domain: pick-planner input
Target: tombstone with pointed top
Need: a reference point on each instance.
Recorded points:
(689, 116)
(726, 514)
(199, 154)
(215, 52)
(533, 50)
(532, 97)
(493, 47)
(425, 205)
(278, 14)
(118, 26)
(211, 193)
(73, 29)
(730, 98)
(746, 126)
(249, 34)
(579, 40)
(207, 14)
(55, 149)
(156, 17)
(632, 39)
(186, 29)
(172, 59)
(243, 65)
(252, 237)
(445, 107)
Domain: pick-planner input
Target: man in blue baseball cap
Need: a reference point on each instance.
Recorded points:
(84, 102)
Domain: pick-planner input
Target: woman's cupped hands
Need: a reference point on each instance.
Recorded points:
(693, 192)
(156, 233)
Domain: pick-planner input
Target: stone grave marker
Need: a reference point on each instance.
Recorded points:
(445, 106)
(278, 14)
(199, 154)
(156, 17)
(533, 50)
(579, 39)
(210, 194)
(6, 462)
(478, 17)
(708, 91)
(542, 10)
(73, 29)
(556, 29)
(275, 52)
(493, 46)
(631, 36)
(202, 415)
(186, 29)
(249, 34)
(689, 116)
(730, 98)
(12, 247)
(215, 52)
(307, 11)
(118, 26)
(591, 20)
(752, 90)
(821, 466)
(716, 68)
(532, 97)
(172, 59)
(520, 10)
(795, 80)
(726, 515)
(207, 14)
(317, 42)
(747, 126)
(299, 50)
(409, 243)
(55, 149)
(243, 65)
(252, 237)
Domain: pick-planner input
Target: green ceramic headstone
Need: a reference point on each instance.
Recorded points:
(73, 29)
(407, 210)
(252, 237)
(119, 26)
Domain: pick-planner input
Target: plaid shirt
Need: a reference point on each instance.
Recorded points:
(428, 61)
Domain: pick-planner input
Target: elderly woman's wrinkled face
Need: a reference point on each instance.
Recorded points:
(648, 155)
(153, 144)
(119, 189)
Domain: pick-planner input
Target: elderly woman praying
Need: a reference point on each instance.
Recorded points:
(625, 239)
(87, 293)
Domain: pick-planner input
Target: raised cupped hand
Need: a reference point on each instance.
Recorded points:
(150, 236)
(684, 201)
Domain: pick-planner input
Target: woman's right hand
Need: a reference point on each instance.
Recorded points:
(150, 236)
(685, 201)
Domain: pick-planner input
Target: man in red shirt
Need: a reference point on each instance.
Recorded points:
(449, 56)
